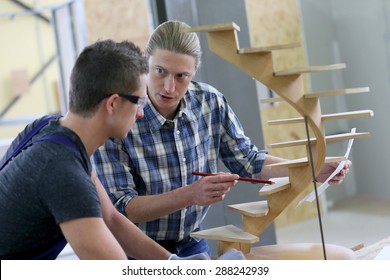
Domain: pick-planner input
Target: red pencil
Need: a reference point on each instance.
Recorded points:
(240, 179)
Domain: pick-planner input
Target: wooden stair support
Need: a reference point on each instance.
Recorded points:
(288, 84)
(259, 65)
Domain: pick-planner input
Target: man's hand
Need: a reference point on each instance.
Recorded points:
(329, 168)
(211, 189)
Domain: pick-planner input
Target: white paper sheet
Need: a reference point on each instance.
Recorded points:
(312, 196)
(384, 254)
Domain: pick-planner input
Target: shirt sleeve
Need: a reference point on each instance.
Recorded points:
(238, 153)
(112, 163)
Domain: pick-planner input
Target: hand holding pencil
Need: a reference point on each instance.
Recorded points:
(252, 180)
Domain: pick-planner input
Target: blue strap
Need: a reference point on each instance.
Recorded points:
(28, 137)
(34, 131)
(60, 139)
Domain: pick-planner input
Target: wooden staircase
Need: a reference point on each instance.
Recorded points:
(289, 85)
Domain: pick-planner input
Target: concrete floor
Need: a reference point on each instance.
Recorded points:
(356, 220)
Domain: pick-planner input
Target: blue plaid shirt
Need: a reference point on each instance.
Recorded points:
(159, 155)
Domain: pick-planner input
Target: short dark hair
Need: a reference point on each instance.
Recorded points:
(103, 68)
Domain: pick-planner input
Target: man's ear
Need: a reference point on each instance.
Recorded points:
(111, 103)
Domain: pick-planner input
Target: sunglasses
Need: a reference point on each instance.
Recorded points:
(140, 101)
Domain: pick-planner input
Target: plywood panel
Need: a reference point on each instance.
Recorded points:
(118, 20)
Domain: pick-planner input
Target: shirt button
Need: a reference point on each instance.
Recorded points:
(184, 159)
(177, 132)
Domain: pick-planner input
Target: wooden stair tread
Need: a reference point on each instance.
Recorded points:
(268, 49)
(309, 69)
(279, 184)
(321, 94)
(299, 162)
(336, 92)
(326, 117)
(214, 27)
(229, 233)
(328, 139)
(271, 100)
(253, 209)
(348, 115)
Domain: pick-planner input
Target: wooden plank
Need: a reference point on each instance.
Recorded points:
(280, 184)
(229, 233)
(268, 49)
(326, 117)
(309, 69)
(328, 139)
(271, 100)
(348, 115)
(253, 209)
(321, 94)
(299, 162)
(214, 27)
(336, 92)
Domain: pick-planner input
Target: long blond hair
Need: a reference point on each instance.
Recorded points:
(170, 36)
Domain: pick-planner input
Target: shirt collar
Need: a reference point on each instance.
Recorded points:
(156, 120)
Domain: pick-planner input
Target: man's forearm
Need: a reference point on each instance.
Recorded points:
(135, 242)
(268, 174)
(151, 207)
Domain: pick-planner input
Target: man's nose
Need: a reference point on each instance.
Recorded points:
(169, 83)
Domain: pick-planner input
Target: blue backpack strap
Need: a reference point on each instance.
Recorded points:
(65, 140)
(28, 137)
(34, 131)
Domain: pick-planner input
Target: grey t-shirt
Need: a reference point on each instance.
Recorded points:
(46, 184)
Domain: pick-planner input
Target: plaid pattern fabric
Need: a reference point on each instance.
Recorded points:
(159, 155)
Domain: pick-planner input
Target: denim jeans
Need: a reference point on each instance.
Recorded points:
(192, 247)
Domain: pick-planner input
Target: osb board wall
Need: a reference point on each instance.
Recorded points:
(273, 22)
(118, 20)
